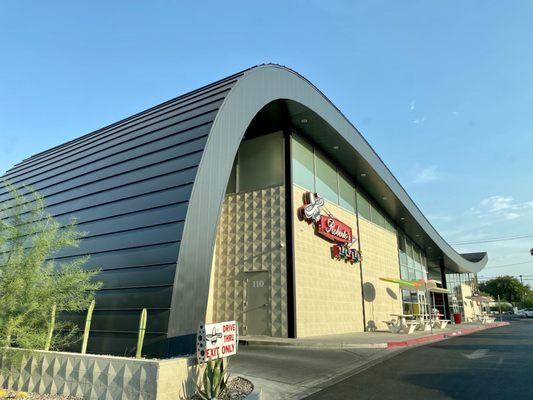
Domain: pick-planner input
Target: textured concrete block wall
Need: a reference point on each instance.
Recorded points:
(380, 259)
(250, 237)
(98, 377)
(328, 291)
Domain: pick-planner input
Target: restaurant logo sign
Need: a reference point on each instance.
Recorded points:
(214, 341)
(329, 228)
(333, 229)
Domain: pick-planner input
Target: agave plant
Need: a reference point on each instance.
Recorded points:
(214, 380)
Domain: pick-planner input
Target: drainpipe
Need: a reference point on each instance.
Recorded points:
(360, 263)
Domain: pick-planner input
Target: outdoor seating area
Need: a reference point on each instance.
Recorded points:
(408, 324)
(485, 318)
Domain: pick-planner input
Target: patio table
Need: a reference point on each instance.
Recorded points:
(402, 317)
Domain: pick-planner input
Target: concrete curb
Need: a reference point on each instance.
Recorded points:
(384, 345)
(441, 336)
(254, 342)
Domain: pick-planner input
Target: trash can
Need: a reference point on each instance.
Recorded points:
(457, 318)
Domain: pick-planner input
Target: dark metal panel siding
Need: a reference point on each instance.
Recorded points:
(128, 185)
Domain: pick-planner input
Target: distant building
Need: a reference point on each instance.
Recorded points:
(195, 210)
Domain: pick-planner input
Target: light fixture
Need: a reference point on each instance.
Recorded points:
(363, 174)
(335, 147)
(402, 218)
(384, 197)
(417, 235)
(303, 121)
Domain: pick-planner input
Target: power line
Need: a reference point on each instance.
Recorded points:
(509, 265)
(524, 277)
(500, 239)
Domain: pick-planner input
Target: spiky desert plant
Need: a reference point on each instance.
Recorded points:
(87, 328)
(51, 328)
(31, 282)
(215, 380)
(142, 330)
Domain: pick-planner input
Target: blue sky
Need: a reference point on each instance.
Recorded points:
(442, 90)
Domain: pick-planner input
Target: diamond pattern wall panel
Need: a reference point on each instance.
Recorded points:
(87, 376)
(251, 237)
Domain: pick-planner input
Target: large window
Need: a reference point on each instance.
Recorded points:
(346, 193)
(326, 178)
(259, 164)
(413, 266)
(363, 206)
(313, 171)
(303, 169)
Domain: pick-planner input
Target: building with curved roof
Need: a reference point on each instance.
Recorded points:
(252, 198)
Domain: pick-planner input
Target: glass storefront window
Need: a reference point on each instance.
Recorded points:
(303, 173)
(401, 248)
(410, 259)
(346, 194)
(260, 162)
(326, 178)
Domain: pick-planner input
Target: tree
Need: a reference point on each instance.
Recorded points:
(508, 288)
(31, 283)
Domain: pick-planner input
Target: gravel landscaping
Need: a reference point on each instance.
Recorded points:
(10, 394)
(238, 388)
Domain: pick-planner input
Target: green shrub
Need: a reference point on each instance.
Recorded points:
(31, 283)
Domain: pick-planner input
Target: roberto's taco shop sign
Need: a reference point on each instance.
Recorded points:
(329, 228)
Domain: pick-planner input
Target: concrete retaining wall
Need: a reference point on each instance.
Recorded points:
(98, 377)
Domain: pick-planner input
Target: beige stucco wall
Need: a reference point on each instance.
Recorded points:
(379, 248)
(250, 237)
(327, 291)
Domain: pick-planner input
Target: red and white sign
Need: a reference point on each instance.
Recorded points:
(333, 229)
(217, 340)
(330, 228)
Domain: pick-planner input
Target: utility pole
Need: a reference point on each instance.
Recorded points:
(500, 308)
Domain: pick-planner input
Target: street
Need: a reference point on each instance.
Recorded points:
(492, 364)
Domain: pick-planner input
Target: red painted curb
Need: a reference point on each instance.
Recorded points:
(444, 335)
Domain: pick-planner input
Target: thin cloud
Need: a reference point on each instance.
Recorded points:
(425, 175)
(502, 206)
(412, 105)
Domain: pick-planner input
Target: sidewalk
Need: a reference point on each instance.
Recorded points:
(369, 340)
(296, 368)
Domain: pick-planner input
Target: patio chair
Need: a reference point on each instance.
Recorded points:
(424, 325)
(440, 323)
(409, 327)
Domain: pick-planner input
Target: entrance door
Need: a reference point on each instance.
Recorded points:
(256, 307)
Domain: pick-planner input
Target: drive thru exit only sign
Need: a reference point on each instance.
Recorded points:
(215, 341)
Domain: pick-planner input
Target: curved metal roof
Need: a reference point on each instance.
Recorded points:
(148, 191)
(255, 89)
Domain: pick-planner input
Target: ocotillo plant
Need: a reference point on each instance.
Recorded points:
(51, 328)
(87, 327)
(142, 329)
